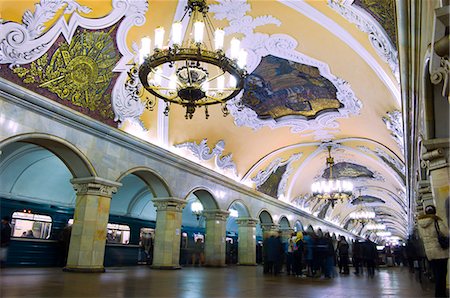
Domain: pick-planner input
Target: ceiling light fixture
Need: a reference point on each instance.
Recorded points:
(332, 189)
(192, 71)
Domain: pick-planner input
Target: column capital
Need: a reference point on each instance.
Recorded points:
(270, 227)
(216, 214)
(169, 203)
(246, 221)
(95, 186)
(437, 154)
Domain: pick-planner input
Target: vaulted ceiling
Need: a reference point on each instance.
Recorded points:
(322, 73)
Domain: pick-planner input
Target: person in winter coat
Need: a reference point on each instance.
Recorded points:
(428, 224)
(342, 249)
(298, 254)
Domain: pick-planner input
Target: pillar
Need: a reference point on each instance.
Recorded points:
(215, 247)
(437, 157)
(166, 252)
(247, 241)
(88, 237)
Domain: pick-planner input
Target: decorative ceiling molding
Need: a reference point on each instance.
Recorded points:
(203, 153)
(394, 123)
(310, 12)
(378, 37)
(283, 46)
(263, 175)
(25, 43)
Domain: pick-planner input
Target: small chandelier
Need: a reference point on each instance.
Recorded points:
(384, 234)
(197, 209)
(376, 226)
(362, 216)
(332, 189)
(198, 68)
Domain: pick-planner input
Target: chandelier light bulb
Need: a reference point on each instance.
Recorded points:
(199, 27)
(157, 77)
(173, 83)
(159, 38)
(235, 48)
(196, 207)
(233, 82)
(384, 233)
(219, 36)
(220, 83)
(177, 28)
(145, 48)
(242, 60)
(234, 213)
(376, 226)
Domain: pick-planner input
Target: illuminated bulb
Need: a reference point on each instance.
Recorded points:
(234, 213)
(173, 83)
(198, 31)
(219, 36)
(157, 77)
(220, 83)
(177, 27)
(242, 60)
(159, 37)
(145, 48)
(235, 48)
(196, 207)
(205, 86)
(233, 82)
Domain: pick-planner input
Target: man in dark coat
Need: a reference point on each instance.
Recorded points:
(5, 238)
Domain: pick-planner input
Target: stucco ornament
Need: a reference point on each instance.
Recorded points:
(377, 35)
(263, 175)
(204, 153)
(24, 43)
(284, 46)
(394, 123)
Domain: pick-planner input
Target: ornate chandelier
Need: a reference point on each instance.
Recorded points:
(198, 68)
(375, 226)
(362, 216)
(197, 209)
(332, 189)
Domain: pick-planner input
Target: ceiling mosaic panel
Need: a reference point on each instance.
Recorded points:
(270, 186)
(384, 12)
(279, 87)
(366, 199)
(349, 170)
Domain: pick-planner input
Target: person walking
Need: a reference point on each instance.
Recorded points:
(290, 254)
(430, 226)
(298, 255)
(342, 249)
(370, 255)
(5, 239)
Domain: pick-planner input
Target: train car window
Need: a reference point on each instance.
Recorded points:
(119, 234)
(30, 225)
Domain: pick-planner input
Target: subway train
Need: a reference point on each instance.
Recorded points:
(37, 241)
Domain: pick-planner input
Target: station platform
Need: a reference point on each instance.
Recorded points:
(235, 281)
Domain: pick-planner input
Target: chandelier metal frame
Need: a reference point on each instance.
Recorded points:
(333, 190)
(193, 60)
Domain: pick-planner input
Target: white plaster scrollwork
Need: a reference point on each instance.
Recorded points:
(259, 45)
(377, 35)
(263, 175)
(24, 43)
(387, 159)
(94, 189)
(202, 152)
(440, 74)
(394, 123)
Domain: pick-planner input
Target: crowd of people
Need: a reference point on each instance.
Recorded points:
(314, 254)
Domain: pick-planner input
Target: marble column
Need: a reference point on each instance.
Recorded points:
(215, 246)
(166, 251)
(437, 157)
(88, 237)
(246, 241)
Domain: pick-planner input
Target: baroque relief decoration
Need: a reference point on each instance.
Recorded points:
(32, 43)
(394, 123)
(279, 88)
(377, 18)
(273, 180)
(349, 170)
(203, 153)
(259, 45)
(394, 163)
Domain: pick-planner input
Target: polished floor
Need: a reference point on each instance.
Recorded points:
(203, 282)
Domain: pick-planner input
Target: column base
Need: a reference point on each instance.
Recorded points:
(84, 270)
(215, 266)
(248, 264)
(166, 267)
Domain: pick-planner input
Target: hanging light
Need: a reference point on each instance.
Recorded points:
(234, 213)
(200, 64)
(197, 209)
(375, 226)
(384, 233)
(332, 189)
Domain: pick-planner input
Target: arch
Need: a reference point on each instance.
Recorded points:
(298, 226)
(265, 218)
(157, 185)
(241, 208)
(205, 197)
(75, 160)
(284, 222)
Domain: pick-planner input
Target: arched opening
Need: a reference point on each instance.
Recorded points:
(284, 223)
(237, 210)
(35, 174)
(132, 218)
(298, 227)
